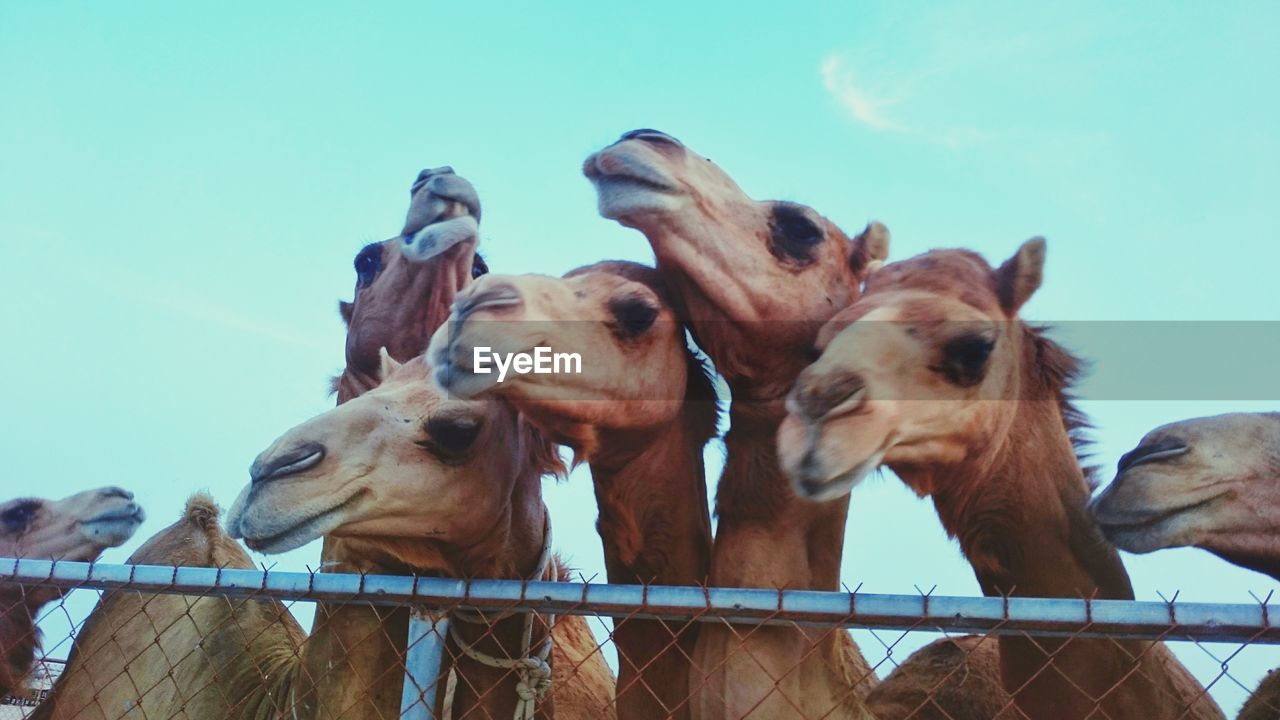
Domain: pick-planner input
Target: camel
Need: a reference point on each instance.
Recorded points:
(207, 656)
(1212, 483)
(754, 281)
(76, 528)
(406, 474)
(932, 374)
(180, 656)
(639, 414)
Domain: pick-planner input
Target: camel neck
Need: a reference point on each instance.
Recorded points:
(1020, 513)
(651, 490)
(370, 642)
(767, 536)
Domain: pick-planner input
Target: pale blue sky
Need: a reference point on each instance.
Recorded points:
(182, 190)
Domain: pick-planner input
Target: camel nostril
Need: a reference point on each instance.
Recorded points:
(117, 492)
(493, 295)
(427, 174)
(1151, 452)
(817, 395)
(650, 135)
(303, 457)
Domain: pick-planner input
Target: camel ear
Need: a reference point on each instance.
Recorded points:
(346, 310)
(870, 248)
(387, 365)
(1019, 277)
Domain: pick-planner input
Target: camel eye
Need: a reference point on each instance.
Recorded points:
(793, 233)
(635, 315)
(964, 359)
(17, 519)
(450, 437)
(479, 267)
(368, 264)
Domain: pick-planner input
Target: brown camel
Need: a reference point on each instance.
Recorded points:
(1212, 483)
(933, 374)
(420, 480)
(404, 288)
(754, 281)
(640, 413)
(75, 528)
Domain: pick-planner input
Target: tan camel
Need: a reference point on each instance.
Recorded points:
(407, 474)
(76, 528)
(1212, 483)
(754, 281)
(639, 412)
(180, 656)
(932, 374)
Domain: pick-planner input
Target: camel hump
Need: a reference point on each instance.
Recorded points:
(202, 510)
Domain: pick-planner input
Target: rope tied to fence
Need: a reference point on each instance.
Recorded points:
(533, 671)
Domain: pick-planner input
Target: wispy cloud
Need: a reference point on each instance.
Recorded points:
(861, 103)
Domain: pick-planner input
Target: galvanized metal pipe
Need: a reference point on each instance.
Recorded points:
(1213, 622)
(427, 633)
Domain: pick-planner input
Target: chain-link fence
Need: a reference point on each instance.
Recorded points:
(193, 642)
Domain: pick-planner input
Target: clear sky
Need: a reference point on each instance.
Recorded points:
(182, 189)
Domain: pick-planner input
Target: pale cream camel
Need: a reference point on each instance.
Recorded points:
(76, 528)
(932, 374)
(754, 281)
(639, 412)
(1212, 483)
(424, 482)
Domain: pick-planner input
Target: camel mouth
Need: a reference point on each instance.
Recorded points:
(296, 535)
(439, 237)
(628, 182)
(1143, 533)
(812, 485)
(115, 526)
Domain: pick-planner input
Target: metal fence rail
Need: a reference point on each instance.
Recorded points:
(433, 598)
(1083, 617)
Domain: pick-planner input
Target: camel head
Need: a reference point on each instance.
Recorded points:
(915, 374)
(78, 527)
(1211, 482)
(746, 274)
(403, 473)
(404, 285)
(634, 366)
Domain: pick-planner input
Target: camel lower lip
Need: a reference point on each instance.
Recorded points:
(831, 488)
(635, 181)
(1148, 523)
(298, 534)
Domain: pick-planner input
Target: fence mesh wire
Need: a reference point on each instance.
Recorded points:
(127, 647)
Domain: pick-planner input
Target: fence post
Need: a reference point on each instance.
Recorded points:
(427, 635)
